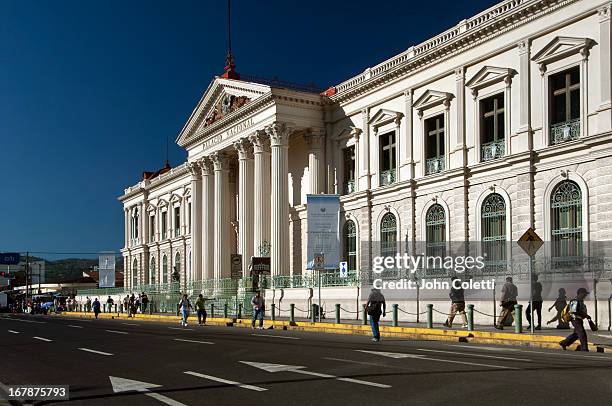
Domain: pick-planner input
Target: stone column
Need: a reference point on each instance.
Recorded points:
(222, 211)
(524, 85)
(208, 218)
(196, 221)
(261, 146)
(126, 223)
(458, 148)
(245, 202)
(604, 111)
(279, 140)
(363, 178)
(315, 140)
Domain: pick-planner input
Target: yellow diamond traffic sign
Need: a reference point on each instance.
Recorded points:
(530, 242)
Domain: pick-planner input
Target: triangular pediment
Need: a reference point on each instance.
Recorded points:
(431, 98)
(489, 75)
(561, 47)
(384, 116)
(223, 98)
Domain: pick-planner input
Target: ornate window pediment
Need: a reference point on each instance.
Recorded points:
(431, 98)
(489, 75)
(151, 208)
(162, 203)
(384, 116)
(174, 198)
(562, 47)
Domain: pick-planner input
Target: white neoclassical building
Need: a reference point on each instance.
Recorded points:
(500, 123)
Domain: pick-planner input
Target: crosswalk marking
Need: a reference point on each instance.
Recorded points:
(95, 351)
(192, 341)
(226, 381)
(116, 332)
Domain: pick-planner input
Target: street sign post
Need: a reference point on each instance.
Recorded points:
(9, 258)
(236, 271)
(318, 264)
(343, 266)
(530, 242)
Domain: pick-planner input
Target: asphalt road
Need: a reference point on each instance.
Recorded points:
(205, 365)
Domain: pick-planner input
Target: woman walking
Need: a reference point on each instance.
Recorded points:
(184, 306)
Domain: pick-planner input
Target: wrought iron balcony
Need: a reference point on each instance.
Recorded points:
(493, 150)
(566, 131)
(349, 187)
(387, 177)
(434, 165)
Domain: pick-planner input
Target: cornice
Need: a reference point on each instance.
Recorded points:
(139, 188)
(489, 24)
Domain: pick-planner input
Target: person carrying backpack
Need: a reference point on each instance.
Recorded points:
(576, 312)
(184, 306)
(376, 306)
(457, 303)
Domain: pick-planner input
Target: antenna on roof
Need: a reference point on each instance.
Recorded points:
(230, 72)
(167, 161)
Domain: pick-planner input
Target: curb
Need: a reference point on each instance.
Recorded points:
(410, 333)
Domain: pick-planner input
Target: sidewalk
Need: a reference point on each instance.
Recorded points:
(546, 338)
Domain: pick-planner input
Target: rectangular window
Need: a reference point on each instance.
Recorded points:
(164, 224)
(177, 221)
(564, 102)
(434, 141)
(387, 158)
(189, 216)
(349, 169)
(492, 127)
(152, 228)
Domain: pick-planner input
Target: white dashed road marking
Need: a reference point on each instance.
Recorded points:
(226, 381)
(42, 339)
(95, 352)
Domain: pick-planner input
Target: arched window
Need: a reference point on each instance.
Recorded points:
(164, 269)
(493, 229)
(176, 272)
(152, 271)
(350, 244)
(135, 273)
(435, 229)
(566, 206)
(388, 235)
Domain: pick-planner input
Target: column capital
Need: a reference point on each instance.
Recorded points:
(523, 46)
(260, 141)
(604, 12)
(206, 166)
(194, 169)
(314, 137)
(220, 161)
(279, 134)
(244, 148)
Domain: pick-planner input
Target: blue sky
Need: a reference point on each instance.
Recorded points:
(90, 90)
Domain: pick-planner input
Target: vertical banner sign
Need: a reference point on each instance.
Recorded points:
(323, 218)
(106, 269)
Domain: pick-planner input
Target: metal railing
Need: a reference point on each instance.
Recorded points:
(565, 131)
(387, 177)
(434, 165)
(493, 150)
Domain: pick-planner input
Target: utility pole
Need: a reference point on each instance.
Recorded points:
(27, 271)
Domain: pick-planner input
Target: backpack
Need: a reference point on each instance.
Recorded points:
(566, 314)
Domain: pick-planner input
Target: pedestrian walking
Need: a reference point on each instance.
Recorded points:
(145, 302)
(259, 305)
(96, 307)
(577, 314)
(132, 306)
(559, 305)
(126, 305)
(536, 299)
(509, 293)
(376, 306)
(87, 304)
(109, 304)
(457, 303)
(200, 306)
(184, 306)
